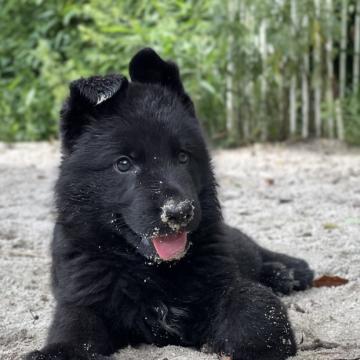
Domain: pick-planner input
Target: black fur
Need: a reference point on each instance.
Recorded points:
(110, 287)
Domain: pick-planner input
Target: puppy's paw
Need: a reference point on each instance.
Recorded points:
(62, 352)
(278, 277)
(283, 278)
(34, 355)
(303, 275)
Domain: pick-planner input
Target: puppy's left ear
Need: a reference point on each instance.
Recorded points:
(148, 67)
(88, 98)
(96, 89)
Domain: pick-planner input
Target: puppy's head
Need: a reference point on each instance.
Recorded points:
(135, 164)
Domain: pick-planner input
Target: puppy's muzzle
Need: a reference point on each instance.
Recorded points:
(177, 215)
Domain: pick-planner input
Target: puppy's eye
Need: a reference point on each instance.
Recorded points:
(123, 164)
(183, 157)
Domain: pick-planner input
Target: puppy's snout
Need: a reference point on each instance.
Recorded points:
(177, 214)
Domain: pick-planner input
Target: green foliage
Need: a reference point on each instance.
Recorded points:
(352, 117)
(46, 44)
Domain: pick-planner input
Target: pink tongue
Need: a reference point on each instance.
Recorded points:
(170, 246)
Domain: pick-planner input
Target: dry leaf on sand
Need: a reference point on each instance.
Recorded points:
(329, 281)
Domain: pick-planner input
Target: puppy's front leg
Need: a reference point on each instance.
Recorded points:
(250, 323)
(76, 333)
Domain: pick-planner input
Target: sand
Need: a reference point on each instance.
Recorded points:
(300, 199)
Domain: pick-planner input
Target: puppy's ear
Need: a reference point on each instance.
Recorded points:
(148, 67)
(87, 97)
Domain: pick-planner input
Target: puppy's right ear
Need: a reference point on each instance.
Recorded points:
(87, 97)
(148, 67)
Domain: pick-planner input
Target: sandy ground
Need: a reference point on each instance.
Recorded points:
(302, 199)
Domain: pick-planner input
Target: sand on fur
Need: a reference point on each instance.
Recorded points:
(301, 199)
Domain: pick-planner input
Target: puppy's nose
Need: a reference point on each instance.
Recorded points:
(177, 214)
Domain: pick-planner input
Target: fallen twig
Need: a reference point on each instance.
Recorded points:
(319, 344)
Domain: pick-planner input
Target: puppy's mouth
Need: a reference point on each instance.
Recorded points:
(170, 246)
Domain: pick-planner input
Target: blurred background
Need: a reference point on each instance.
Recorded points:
(258, 70)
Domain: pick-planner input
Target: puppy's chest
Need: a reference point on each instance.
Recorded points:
(162, 322)
(154, 310)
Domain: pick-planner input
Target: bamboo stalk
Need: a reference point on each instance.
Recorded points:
(293, 105)
(317, 71)
(283, 118)
(329, 70)
(339, 120)
(342, 71)
(245, 118)
(251, 123)
(263, 81)
(230, 72)
(293, 81)
(356, 63)
(343, 45)
(305, 87)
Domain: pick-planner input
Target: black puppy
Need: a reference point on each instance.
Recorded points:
(140, 252)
